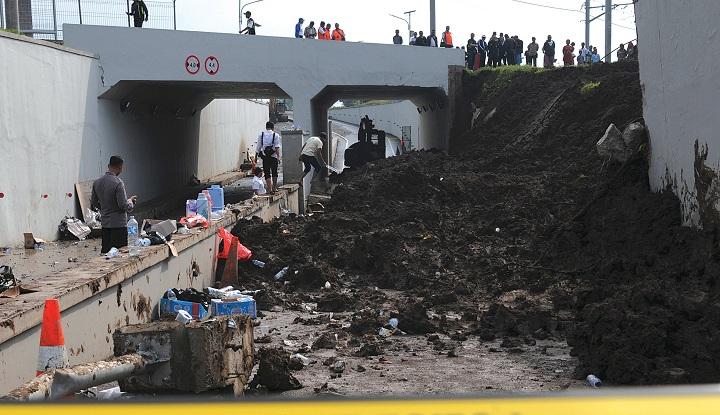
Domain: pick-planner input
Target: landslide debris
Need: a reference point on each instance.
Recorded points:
(523, 231)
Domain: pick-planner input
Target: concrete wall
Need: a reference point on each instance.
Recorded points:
(115, 293)
(308, 72)
(679, 52)
(389, 117)
(228, 127)
(55, 132)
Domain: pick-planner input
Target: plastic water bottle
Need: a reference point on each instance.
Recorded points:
(133, 233)
(280, 275)
(218, 197)
(203, 206)
(594, 381)
(258, 263)
(171, 295)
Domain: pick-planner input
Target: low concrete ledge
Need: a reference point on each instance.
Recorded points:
(74, 286)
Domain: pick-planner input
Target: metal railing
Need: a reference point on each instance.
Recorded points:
(43, 19)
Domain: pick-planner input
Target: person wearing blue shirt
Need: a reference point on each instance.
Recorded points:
(298, 29)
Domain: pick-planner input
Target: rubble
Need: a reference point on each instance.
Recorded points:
(274, 371)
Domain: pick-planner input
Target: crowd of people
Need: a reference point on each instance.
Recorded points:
(504, 49)
(323, 32)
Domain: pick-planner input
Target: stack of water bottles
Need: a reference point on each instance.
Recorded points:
(209, 204)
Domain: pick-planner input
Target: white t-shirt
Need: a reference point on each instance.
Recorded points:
(259, 186)
(268, 138)
(312, 145)
(250, 23)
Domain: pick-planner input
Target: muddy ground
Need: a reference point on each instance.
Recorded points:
(522, 235)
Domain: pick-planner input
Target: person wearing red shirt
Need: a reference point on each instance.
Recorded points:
(568, 53)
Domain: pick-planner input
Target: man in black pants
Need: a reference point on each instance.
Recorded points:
(108, 195)
(311, 155)
(268, 149)
(139, 12)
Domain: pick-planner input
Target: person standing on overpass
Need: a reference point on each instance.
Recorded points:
(251, 25)
(432, 40)
(311, 155)
(310, 31)
(321, 31)
(447, 39)
(338, 34)
(397, 39)
(268, 149)
(328, 32)
(298, 28)
(108, 195)
(139, 12)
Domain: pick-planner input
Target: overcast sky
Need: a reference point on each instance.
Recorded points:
(369, 20)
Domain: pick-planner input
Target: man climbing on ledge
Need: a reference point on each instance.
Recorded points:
(139, 12)
(268, 149)
(108, 195)
(311, 156)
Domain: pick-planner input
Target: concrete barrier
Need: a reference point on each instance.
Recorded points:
(101, 296)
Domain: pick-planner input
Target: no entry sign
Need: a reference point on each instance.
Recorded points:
(192, 64)
(212, 65)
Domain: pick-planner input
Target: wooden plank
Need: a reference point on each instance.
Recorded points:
(83, 190)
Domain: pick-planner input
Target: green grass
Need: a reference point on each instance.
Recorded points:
(14, 31)
(589, 87)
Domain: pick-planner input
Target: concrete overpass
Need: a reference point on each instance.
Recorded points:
(181, 72)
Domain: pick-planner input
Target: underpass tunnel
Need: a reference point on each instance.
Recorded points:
(172, 134)
(431, 110)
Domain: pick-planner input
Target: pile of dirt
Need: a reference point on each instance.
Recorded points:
(274, 371)
(524, 216)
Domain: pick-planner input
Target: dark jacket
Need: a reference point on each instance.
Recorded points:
(434, 38)
(397, 40)
(139, 11)
(421, 41)
(519, 47)
(549, 47)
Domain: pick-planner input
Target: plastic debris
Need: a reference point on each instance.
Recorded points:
(305, 360)
(183, 317)
(338, 367)
(280, 275)
(258, 263)
(394, 322)
(112, 253)
(594, 381)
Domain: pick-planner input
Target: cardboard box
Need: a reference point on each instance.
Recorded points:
(173, 306)
(162, 227)
(245, 306)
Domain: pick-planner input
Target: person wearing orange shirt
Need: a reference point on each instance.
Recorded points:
(338, 34)
(447, 40)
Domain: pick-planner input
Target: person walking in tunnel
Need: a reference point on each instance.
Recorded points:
(139, 12)
(250, 26)
(268, 149)
(311, 156)
(108, 196)
(338, 34)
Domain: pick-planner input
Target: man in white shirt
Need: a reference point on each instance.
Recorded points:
(268, 149)
(251, 25)
(258, 184)
(311, 155)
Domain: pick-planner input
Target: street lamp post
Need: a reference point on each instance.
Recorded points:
(408, 21)
(241, 7)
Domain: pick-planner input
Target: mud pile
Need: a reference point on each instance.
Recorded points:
(523, 230)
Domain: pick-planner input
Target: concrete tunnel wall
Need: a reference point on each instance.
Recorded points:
(301, 69)
(679, 75)
(54, 132)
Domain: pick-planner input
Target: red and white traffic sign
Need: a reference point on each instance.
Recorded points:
(212, 65)
(192, 64)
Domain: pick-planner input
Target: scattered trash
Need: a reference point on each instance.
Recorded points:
(289, 343)
(92, 219)
(497, 230)
(144, 242)
(305, 360)
(280, 275)
(274, 372)
(73, 260)
(5, 251)
(360, 368)
(327, 285)
(7, 278)
(258, 263)
(183, 317)
(383, 332)
(338, 367)
(194, 221)
(112, 253)
(31, 242)
(393, 322)
(183, 230)
(593, 381)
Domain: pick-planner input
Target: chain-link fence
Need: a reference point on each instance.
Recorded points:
(43, 19)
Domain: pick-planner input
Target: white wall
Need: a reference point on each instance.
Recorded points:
(679, 54)
(228, 127)
(389, 117)
(43, 122)
(55, 132)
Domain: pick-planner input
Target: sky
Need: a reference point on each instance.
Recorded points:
(370, 20)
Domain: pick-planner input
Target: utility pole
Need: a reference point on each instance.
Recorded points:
(587, 23)
(432, 15)
(608, 30)
(409, 15)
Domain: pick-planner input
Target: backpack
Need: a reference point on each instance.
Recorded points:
(268, 151)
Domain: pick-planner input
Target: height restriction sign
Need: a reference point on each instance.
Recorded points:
(192, 64)
(212, 65)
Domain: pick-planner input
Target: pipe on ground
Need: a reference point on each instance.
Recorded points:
(64, 382)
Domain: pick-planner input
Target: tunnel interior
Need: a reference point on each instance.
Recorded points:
(431, 106)
(172, 134)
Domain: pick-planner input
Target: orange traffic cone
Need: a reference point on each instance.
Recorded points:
(52, 343)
